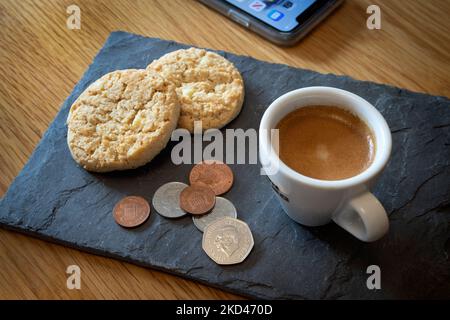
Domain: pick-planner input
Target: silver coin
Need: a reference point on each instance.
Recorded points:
(227, 241)
(223, 208)
(166, 200)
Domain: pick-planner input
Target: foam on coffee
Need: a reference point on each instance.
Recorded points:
(325, 142)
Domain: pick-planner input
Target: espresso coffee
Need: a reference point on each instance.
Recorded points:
(325, 142)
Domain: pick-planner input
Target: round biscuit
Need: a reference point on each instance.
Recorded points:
(122, 120)
(209, 87)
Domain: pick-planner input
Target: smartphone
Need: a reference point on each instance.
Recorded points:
(283, 22)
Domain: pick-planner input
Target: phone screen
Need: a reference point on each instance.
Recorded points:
(280, 14)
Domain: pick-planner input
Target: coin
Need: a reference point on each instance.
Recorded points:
(166, 200)
(131, 211)
(222, 208)
(227, 241)
(197, 199)
(213, 173)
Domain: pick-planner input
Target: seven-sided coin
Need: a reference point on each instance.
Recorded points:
(227, 241)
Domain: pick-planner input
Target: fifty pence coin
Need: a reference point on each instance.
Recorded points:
(166, 200)
(131, 211)
(197, 199)
(227, 241)
(215, 174)
(223, 208)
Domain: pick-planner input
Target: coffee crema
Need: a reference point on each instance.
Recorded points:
(325, 142)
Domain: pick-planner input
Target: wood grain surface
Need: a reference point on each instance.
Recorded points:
(41, 60)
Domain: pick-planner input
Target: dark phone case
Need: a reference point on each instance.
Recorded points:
(266, 31)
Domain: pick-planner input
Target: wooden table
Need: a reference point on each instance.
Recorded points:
(41, 60)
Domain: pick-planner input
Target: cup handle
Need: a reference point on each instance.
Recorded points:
(364, 217)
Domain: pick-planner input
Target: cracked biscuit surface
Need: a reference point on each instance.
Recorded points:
(122, 120)
(209, 87)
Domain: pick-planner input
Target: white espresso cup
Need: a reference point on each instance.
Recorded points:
(313, 202)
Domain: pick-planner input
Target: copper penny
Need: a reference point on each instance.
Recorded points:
(131, 211)
(217, 175)
(197, 199)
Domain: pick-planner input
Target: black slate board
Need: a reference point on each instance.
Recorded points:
(54, 199)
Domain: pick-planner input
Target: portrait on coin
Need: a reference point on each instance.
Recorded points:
(227, 240)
